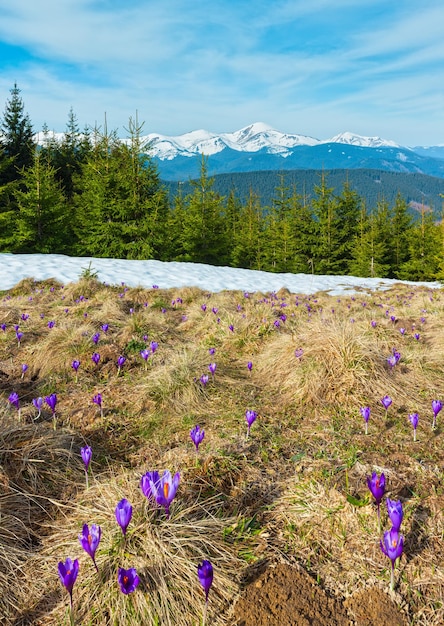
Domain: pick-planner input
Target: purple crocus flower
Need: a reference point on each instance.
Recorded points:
(145, 483)
(145, 355)
(386, 402)
(436, 407)
(154, 345)
(231, 327)
(51, 401)
(211, 351)
(3, 327)
(365, 412)
(376, 484)
(250, 366)
(86, 454)
(24, 369)
(395, 513)
(95, 338)
(204, 379)
(203, 307)
(120, 362)
(250, 417)
(90, 539)
(19, 337)
(212, 367)
(51, 324)
(97, 399)
(38, 403)
(68, 574)
(124, 513)
(392, 545)
(391, 361)
(128, 580)
(95, 358)
(105, 327)
(414, 419)
(197, 434)
(14, 400)
(165, 489)
(298, 353)
(373, 324)
(75, 366)
(205, 575)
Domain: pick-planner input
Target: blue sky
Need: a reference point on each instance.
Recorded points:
(313, 67)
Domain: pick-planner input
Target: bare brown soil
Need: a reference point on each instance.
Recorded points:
(284, 595)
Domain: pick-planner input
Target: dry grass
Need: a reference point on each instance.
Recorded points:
(296, 488)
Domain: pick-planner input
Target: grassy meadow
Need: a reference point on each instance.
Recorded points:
(294, 491)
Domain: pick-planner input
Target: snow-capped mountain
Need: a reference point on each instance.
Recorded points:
(259, 147)
(252, 138)
(358, 140)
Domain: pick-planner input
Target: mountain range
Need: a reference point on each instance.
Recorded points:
(260, 147)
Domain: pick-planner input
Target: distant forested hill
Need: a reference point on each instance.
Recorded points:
(371, 185)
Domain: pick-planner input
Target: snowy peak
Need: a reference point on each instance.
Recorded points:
(364, 142)
(251, 138)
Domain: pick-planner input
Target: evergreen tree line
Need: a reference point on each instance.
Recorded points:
(93, 194)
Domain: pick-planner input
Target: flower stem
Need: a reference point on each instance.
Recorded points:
(392, 577)
(86, 478)
(71, 609)
(204, 614)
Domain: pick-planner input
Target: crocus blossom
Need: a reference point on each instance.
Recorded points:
(205, 575)
(376, 484)
(89, 540)
(164, 490)
(120, 362)
(436, 407)
(392, 546)
(124, 513)
(386, 401)
(128, 580)
(68, 574)
(14, 400)
(250, 417)
(365, 412)
(145, 483)
(197, 434)
(38, 403)
(86, 454)
(95, 358)
(212, 367)
(414, 419)
(395, 513)
(97, 399)
(51, 401)
(204, 379)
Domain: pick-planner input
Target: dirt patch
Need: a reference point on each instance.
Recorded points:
(285, 595)
(373, 607)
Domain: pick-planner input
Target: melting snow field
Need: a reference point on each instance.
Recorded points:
(15, 267)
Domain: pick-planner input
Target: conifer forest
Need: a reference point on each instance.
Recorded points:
(92, 193)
